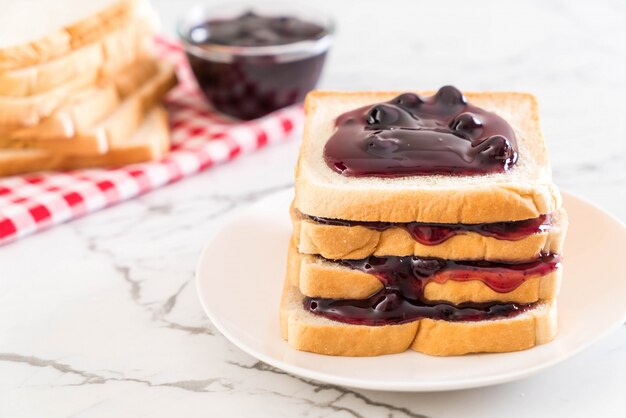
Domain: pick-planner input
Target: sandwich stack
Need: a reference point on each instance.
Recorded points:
(79, 87)
(425, 221)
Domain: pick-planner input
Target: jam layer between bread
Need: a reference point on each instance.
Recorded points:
(436, 233)
(404, 279)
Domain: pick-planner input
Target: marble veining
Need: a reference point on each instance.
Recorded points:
(100, 317)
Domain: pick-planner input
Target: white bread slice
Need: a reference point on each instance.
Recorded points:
(111, 131)
(357, 242)
(107, 55)
(63, 146)
(35, 31)
(18, 112)
(123, 121)
(318, 277)
(85, 108)
(14, 161)
(149, 142)
(525, 191)
(308, 332)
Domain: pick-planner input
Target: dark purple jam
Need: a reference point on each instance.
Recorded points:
(248, 86)
(436, 233)
(413, 135)
(390, 308)
(251, 29)
(404, 279)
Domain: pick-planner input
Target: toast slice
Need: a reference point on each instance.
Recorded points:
(85, 108)
(107, 55)
(523, 192)
(27, 111)
(149, 142)
(55, 29)
(63, 146)
(17, 161)
(336, 242)
(16, 112)
(111, 131)
(123, 121)
(308, 332)
(318, 277)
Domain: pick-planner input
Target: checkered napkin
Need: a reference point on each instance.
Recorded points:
(200, 139)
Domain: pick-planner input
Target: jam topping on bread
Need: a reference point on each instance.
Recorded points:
(412, 135)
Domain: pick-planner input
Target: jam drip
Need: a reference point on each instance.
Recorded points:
(404, 279)
(412, 135)
(433, 234)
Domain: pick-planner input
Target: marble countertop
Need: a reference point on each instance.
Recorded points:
(100, 317)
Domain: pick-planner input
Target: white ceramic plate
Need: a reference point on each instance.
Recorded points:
(240, 277)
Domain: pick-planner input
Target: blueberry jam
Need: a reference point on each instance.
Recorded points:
(436, 233)
(413, 135)
(249, 84)
(404, 279)
(390, 308)
(251, 29)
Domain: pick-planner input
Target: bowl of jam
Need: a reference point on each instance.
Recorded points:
(252, 60)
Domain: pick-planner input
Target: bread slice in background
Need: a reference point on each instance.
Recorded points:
(28, 111)
(101, 58)
(149, 142)
(84, 108)
(308, 332)
(356, 242)
(17, 112)
(17, 161)
(108, 132)
(115, 128)
(525, 191)
(127, 117)
(90, 145)
(35, 31)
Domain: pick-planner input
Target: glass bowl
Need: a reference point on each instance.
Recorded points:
(247, 82)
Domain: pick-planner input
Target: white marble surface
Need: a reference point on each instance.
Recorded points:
(99, 318)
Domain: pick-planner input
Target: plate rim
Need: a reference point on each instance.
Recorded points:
(388, 386)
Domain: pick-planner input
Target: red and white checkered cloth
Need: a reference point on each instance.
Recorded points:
(200, 137)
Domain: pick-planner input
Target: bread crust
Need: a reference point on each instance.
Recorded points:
(68, 38)
(24, 161)
(514, 195)
(150, 142)
(315, 277)
(307, 332)
(357, 242)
